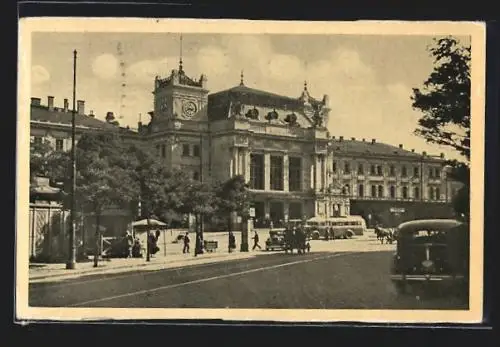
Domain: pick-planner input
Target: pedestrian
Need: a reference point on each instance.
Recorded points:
(198, 248)
(130, 243)
(232, 242)
(185, 249)
(256, 241)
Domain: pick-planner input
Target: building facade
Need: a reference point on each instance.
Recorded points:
(280, 144)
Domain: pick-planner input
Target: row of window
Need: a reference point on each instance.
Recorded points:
(186, 150)
(377, 170)
(59, 142)
(378, 192)
(277, 181)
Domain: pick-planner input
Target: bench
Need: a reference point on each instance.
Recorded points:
(210, 246)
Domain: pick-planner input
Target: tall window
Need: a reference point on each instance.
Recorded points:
(257, 171)
(372, 170)
(361, 169)
(374, 191)
(380, 191)
(196, 150)
(392, 170)
(276, 173)
(431, 172)
(415, 171)
(163, 150)
(379, 170)
(405, 192)
(295, 174)
(361, 190)
(185, 150)
(437, 173)
(393, 192)
(334, 167)
(431, 193)
(59, 144)
(438, 194)
(416, 193)
(404, 171)
(347, 168)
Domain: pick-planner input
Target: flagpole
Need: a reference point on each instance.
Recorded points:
(71, 264)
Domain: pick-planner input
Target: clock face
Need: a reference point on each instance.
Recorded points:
(189, 108)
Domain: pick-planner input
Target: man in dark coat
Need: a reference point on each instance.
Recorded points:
(186, 240)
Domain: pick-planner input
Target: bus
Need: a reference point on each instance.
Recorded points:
(343, 227)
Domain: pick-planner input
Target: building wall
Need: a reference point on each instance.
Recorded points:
(392, 213)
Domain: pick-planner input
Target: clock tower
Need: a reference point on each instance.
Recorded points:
(179, 98)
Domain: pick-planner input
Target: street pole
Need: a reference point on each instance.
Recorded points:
(71, 264)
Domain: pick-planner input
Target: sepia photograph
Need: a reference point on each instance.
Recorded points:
(250, 170)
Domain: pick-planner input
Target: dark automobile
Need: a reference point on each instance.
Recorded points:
(433, 250)
(276, 240)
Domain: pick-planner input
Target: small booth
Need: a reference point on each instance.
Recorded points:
(141, 228)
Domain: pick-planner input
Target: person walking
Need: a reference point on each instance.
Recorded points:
(186, 240)
(256, 241)
(232, 242)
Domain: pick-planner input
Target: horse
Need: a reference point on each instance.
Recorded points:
(296, 240)
(384, 233)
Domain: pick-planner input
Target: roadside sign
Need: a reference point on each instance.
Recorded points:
(252, 212)
(397, 210)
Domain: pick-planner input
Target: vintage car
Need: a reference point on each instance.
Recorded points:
(275, 241)
(433, 250)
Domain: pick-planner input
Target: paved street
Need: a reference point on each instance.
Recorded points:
(343, 274)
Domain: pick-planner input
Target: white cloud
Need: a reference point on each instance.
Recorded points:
(39, 74)
(105, 66)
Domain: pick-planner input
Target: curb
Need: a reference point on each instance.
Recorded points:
(104, 269)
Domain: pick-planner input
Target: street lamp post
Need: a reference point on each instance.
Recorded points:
(71, 264)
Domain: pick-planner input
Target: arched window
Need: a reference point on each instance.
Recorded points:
(380, 191)
(361, 190)
(392, 170)
(404, 171)
(379, 170)
(405, 192)
(393, 192)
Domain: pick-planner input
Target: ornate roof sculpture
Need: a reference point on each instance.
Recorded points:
(265, 106)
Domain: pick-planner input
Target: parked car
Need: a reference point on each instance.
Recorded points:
(275, 241)
(434, 250)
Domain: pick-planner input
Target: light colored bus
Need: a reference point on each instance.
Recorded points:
(343, 227)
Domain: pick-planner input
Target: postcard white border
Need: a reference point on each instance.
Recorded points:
(477, 32)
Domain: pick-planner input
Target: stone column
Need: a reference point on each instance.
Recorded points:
(286, 210)
(286, 172)
(267, 172)
(318, 169)
(235, 161)
(325, 179)
(313, 174)
(246, 159)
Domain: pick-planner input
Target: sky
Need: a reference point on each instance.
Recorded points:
(368, 78)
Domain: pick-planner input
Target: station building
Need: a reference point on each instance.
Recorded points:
(295, 168)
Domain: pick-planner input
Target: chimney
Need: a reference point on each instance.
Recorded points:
(66, 105)
(413, 150)
(353, 138)
(50, 103)
(442, 155)
(81, 107)
(91, 114)
(400, 146)
(333, 137)
(341, 138)
(424, 153)
(363, 140)
(35, 101)
(373, 141)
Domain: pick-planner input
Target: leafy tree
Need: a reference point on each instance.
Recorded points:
(444, 98)
(233, 197)
(39, 158)
(103, 178)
